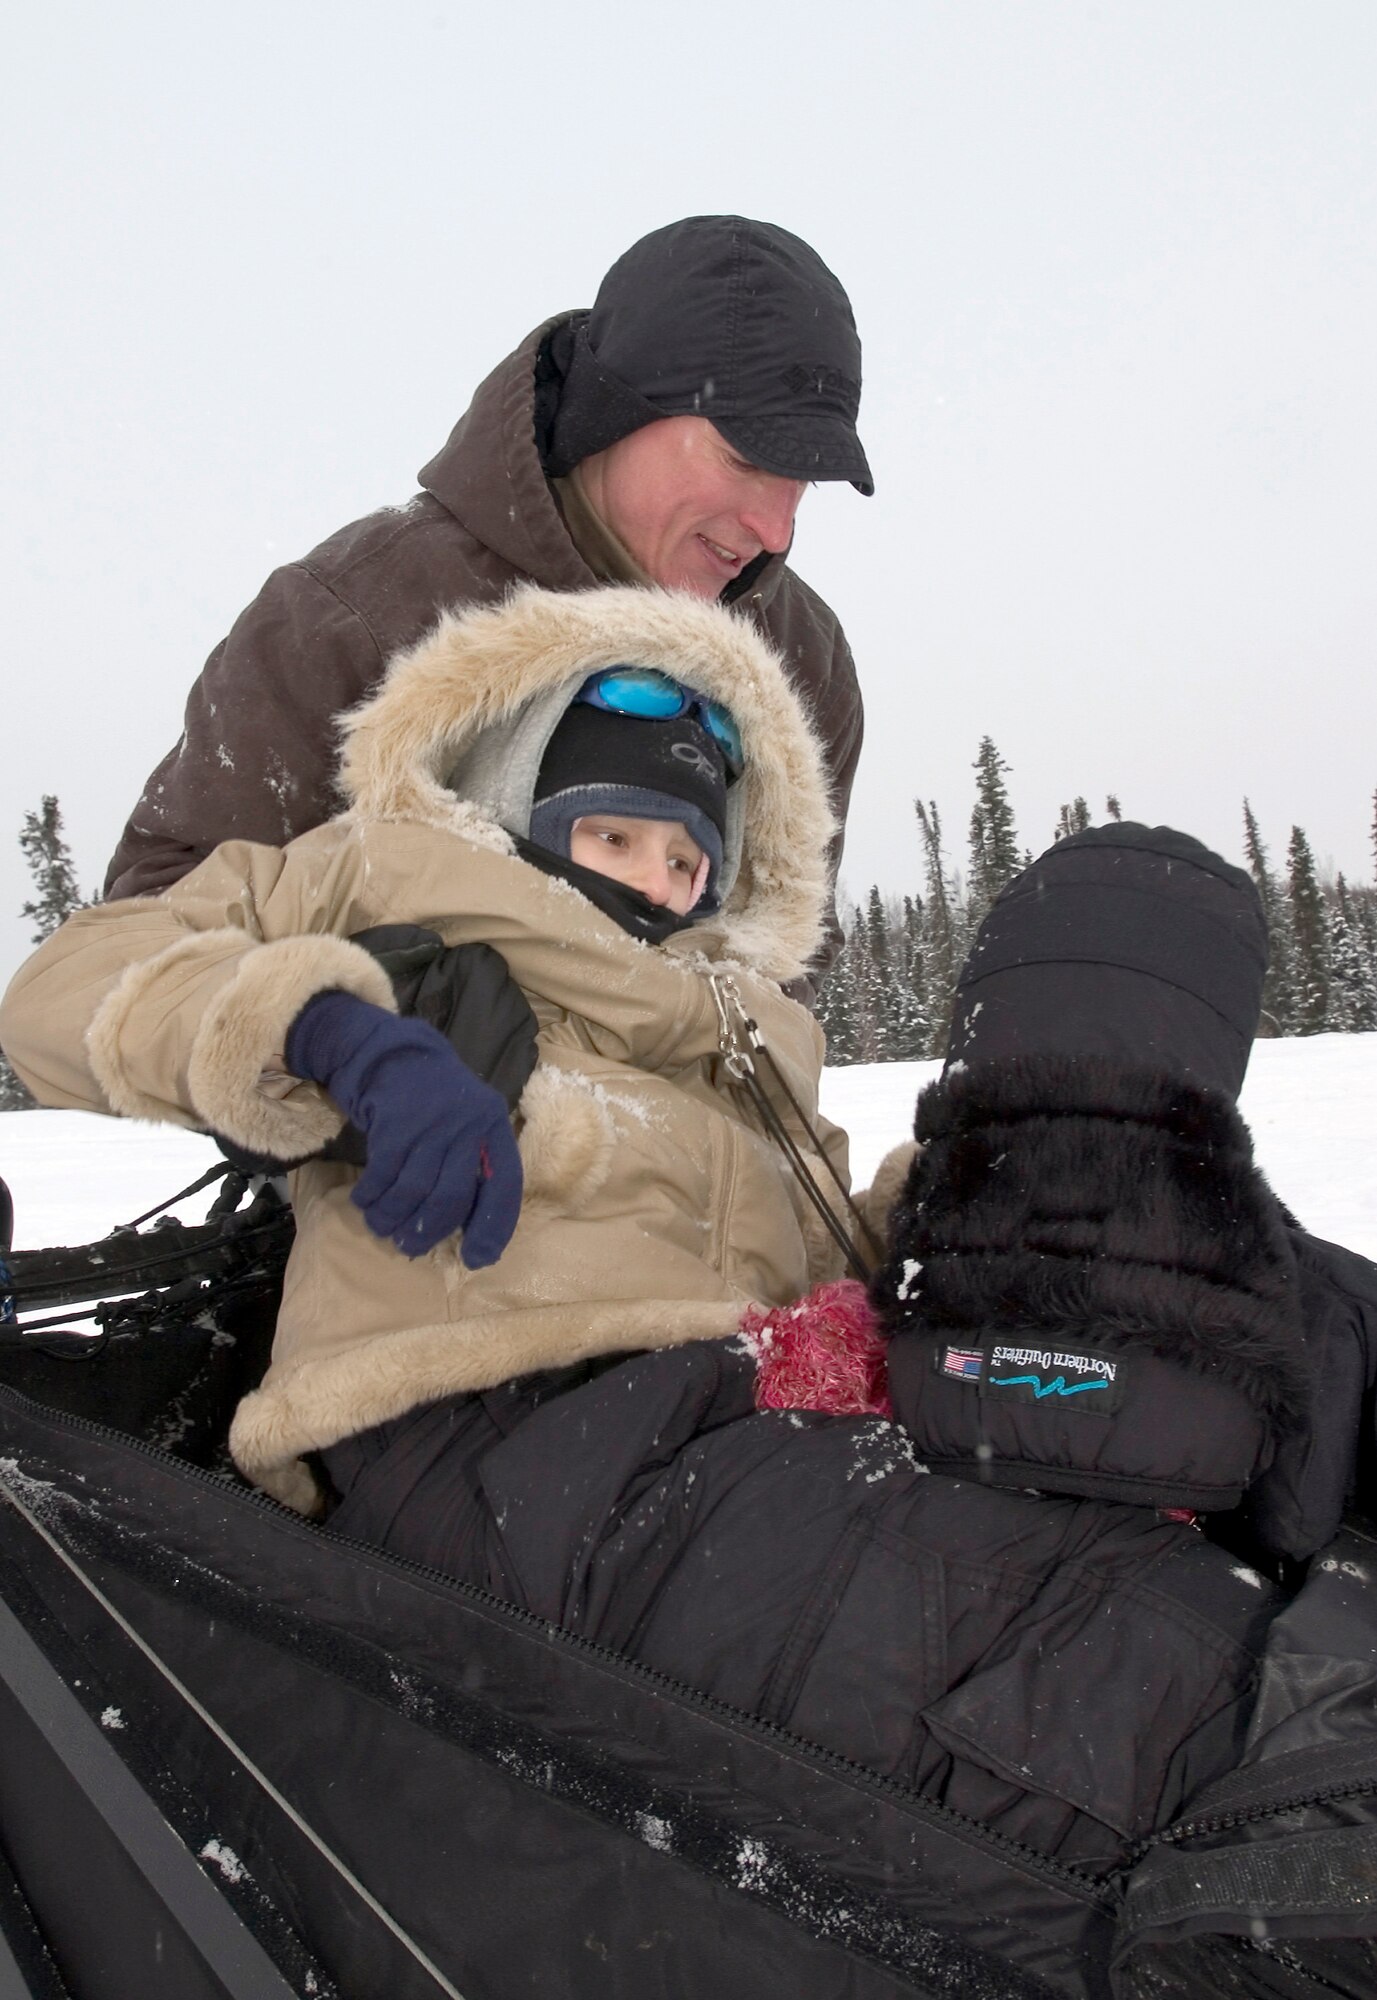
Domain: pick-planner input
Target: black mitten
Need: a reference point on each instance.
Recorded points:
(1090, 1287)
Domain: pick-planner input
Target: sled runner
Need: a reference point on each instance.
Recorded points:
(244, 1757)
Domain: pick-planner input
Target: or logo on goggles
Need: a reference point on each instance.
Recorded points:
(655, 697)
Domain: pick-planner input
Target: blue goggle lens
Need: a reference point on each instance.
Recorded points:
(646, 692)
(726, 735)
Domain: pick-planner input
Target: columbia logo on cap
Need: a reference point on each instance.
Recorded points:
(819, 377)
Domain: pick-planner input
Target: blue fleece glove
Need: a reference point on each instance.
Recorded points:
(441, 1153)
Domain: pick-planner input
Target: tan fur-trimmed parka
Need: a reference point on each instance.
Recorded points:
(655, 1209)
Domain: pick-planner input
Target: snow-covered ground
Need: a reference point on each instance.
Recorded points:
(1312, 1106)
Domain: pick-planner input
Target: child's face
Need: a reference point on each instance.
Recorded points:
(656, 856)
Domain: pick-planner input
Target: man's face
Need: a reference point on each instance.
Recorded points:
(691, 511)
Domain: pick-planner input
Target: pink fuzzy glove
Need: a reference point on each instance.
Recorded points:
(823, 1353)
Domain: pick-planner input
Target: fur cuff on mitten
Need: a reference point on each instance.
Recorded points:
(1090, 1288)
(237, 1076)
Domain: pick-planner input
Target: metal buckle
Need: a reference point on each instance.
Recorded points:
(732, 1019)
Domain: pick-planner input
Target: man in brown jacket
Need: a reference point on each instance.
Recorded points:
(665, 437)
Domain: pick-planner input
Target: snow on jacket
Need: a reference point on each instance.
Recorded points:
(256, 757)
(655, 1209)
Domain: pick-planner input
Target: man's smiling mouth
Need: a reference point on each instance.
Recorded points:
(727, 556)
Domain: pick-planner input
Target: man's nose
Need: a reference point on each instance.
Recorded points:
(770, 510)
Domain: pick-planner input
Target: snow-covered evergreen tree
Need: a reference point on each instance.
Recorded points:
(835, 1009)
(910, 1027)
(887, 982)
(1278, 999)
(1363, 904)
(944, 929)
(1352, 974)
(877, 929)
(1074, 818)
(1309, 939)
(54, 877)
(871, 982)
(50, 864)
(994, 844)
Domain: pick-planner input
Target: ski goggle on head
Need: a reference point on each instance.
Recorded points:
(655, 697)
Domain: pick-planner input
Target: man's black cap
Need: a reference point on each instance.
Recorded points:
(719, 317)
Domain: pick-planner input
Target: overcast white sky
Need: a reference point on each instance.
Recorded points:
(1115, 267)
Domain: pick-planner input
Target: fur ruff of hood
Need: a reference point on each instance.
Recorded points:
(492, 671)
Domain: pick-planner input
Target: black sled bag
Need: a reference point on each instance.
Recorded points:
(1267, 1890)
(369, 1780)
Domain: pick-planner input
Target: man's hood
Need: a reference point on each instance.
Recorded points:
(455, 735)
(490, 476)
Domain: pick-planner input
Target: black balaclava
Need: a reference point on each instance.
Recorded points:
(1129, 942)
(719, 317)
(636, 768)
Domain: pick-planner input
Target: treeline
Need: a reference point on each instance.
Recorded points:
(888, 997)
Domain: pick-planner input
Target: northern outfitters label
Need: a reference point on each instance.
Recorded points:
(1054, 1376)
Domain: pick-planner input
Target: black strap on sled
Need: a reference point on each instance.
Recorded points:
(143, 1279)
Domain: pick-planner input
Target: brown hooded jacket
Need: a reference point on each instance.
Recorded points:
(256, 760)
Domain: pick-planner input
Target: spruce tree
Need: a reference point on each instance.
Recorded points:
(912, 1028)
(1353, 977)
(900, 1022)
(1257, 858)
(994, 844)
(1074, 818)
(1310, 971)
(836, 1008)
(944, 930)
(1113, 810)
(854, 1006)
(869, 981)
(50, 864)
(1278, 1001)
(1363, 904)
(877, 929)
(870, 946)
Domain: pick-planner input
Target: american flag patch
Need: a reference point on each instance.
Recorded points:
(963, 1362)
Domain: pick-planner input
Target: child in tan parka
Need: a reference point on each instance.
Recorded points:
(498, 793)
